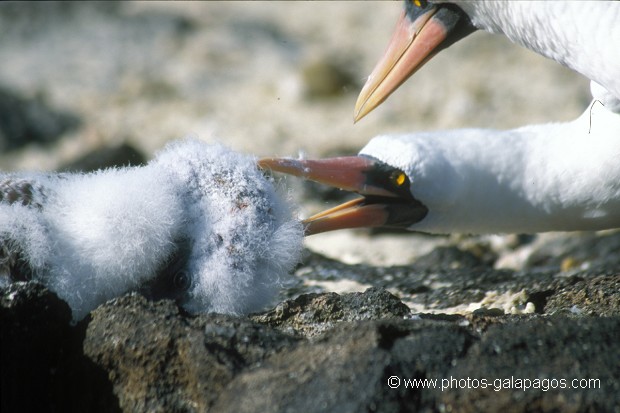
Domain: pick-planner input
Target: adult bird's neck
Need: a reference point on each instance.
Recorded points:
(581, 35)
(551, 177)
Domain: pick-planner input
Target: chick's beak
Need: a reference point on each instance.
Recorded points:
(415, 41)
(381, 204)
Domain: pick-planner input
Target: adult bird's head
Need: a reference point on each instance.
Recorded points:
(386, 198)
(423, 29)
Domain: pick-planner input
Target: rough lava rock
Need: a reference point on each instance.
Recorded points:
(43, 366)
(347, 369)
(312, 314)
(554, 350)
(29, 120)
(160, 360)
(319, 352)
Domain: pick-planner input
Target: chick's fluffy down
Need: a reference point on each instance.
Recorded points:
(203, 207)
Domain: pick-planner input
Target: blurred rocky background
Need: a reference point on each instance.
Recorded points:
(87, 85)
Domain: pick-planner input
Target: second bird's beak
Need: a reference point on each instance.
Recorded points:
(386, 198)
(421, 32)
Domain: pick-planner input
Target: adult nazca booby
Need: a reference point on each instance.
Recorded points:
(537, 178)
(582, 35)
(552, 177)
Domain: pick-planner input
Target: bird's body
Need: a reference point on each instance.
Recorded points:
(550, 177)
(584, 36)
(200, 224)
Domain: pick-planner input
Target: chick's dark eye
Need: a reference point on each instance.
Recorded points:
(181, 280)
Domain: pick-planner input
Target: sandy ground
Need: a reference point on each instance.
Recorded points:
(242, 73)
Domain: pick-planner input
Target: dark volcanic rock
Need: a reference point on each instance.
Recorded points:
(554, 356)
(431, 281)
(160, 360)
(103, 158)
(450, 277)
(401, 365)
(43, 367)
(586, 251)
(312, 314)
(157, 358)
(334, 352)
(347, 370)
(449, 258)
(24, 121)
(593, 296)
(35, 331)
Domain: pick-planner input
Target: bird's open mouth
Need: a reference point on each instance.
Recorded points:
(386, 199)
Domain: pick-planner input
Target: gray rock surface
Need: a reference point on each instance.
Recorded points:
(160, 360)
(26, 120)
(43, 367)
(348, 353)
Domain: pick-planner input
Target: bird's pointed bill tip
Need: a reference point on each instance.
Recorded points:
(362, 106)
(411, 45)
(352, 214)
(285, 165)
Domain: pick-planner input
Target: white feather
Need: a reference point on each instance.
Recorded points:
(582, 35)
(96, 236)
(551, 177)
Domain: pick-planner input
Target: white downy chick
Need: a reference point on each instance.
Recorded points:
(200, 224)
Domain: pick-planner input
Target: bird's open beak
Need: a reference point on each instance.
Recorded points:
(413, 43)
(385, 201)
